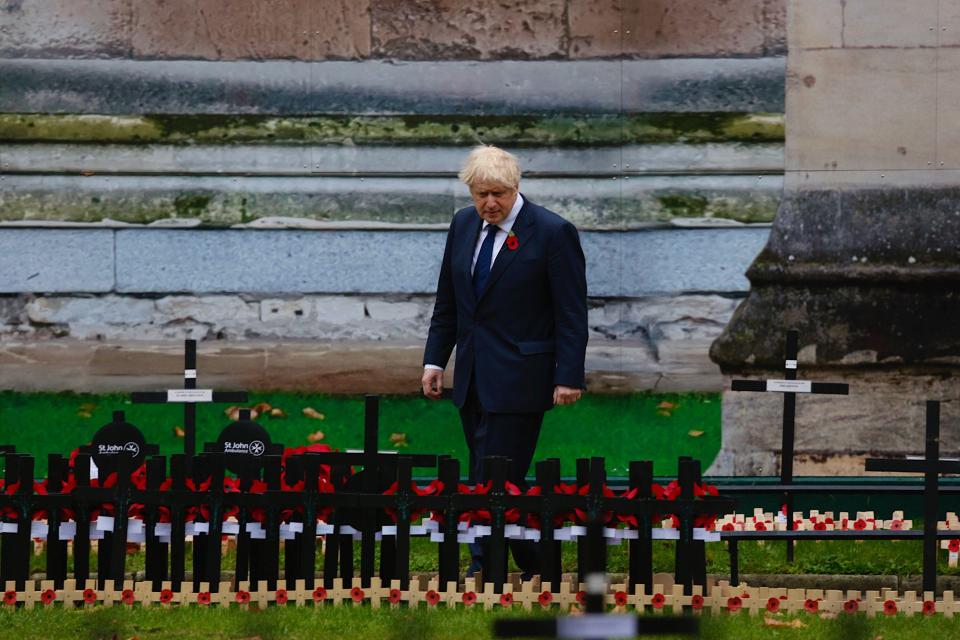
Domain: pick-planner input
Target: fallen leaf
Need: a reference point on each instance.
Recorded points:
(277, 412)
(262, 407)
(87, 173)
(232, 412)
(310, 412)
(796, 623)
(88, 407)
(667, 406)
(84, 414)
(398, 437)
(179, 432)
(316, 436)
(694, 433)
(665, 414)
(253, 414)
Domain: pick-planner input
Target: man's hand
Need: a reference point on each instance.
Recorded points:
(564, 395)
(432, 383)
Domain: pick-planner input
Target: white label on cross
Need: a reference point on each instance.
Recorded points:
(190, 395)
(68, 530)
(659, 533)
(792, 386)
(190, 374)
(791, 364)
(597, 625)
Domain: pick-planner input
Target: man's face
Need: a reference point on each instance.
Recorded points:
(493, 200)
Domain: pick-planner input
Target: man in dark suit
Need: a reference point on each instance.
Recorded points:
(512, 298)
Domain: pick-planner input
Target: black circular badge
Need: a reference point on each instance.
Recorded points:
(116, 439)
(241, 442)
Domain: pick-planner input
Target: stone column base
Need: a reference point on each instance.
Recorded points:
(884, 415)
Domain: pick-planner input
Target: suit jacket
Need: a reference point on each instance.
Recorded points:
(527, 332)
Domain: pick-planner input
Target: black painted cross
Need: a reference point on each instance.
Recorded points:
(379, 470)
(594, 622)
(190, 396)
(789, 387)
(931, 466)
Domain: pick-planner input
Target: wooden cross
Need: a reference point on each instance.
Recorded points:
(931, 466)
(189, 397)
(789, 387)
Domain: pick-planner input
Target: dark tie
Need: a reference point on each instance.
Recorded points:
(482, 271)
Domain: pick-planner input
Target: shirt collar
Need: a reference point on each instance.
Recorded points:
(507, 223)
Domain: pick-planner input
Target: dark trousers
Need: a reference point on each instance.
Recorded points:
(513, 435)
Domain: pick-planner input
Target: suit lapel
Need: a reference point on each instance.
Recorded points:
(524, 229)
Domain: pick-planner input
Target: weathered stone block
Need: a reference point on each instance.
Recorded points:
(484, 29)
(56, 260)
(12, 310)
(815, 24)
(655, 28)
(888, 116)
(217, 311)
(596, 28)
(890, 23)
(380, 86)
(267, 29)
(286, 311)
(338, 310)
(383, 311)
(117, 310)
(64, 28)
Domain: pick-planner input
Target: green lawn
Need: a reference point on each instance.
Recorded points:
(620, 428)
(290, 623)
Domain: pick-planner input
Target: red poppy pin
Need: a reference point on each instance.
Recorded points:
(469, 598)
(128, 597)
(89, 596)
(281, 596)
(203, 598)
(512, 241)
(545, 598)
(10, 597)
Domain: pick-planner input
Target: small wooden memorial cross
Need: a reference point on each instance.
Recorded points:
(189, 397)
(378, 469)
(931, 466)
(789, 387)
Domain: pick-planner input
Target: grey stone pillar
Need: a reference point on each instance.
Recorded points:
(864, 256)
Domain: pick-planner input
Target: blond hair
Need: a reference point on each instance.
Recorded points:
(487, 163)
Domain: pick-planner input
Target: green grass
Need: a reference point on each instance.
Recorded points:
(872, 557)
(620, 428)
(290, 623)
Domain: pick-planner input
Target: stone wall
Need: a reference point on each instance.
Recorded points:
(276, 180)
(395, 29)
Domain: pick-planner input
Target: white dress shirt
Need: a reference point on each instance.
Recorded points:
(501, 236)
(498, 241)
